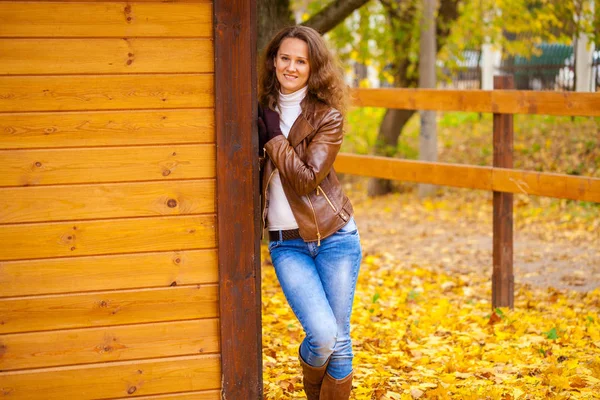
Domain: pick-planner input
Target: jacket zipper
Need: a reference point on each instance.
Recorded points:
(316, 223)
(326, 198)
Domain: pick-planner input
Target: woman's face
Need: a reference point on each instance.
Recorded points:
(291, 65)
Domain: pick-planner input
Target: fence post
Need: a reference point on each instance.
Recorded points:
(502, 276)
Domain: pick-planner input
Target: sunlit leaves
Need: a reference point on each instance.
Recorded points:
(415, 339)
(420, 332)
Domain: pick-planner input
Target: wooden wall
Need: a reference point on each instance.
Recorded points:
(108, 256)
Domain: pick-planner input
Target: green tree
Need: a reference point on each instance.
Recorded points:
(517, 26)
(385, 34)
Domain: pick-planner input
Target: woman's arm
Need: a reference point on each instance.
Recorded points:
(302, 176)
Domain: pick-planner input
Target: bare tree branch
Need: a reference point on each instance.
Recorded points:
(326, 19)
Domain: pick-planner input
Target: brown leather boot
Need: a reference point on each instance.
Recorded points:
(312, 377)
(336, 389)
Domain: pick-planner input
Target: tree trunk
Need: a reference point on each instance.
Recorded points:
(272, 16)
(387, 140)
(427, 57)
(394, 120)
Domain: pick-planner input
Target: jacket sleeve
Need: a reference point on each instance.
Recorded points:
(321, 152)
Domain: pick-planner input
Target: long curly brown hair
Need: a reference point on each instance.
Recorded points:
(325, 82)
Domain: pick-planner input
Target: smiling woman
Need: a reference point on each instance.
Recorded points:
(324, 76)
(314, 242)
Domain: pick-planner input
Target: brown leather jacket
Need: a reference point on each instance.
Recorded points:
(305, 163)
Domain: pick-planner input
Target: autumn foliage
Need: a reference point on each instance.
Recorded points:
(428, 331)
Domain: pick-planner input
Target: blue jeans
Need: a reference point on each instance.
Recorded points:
(319, 284)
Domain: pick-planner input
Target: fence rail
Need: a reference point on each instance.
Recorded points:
(487, 101)
(472, 177)
(500, 178)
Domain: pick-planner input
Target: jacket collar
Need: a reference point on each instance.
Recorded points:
(305, 124)
(300, 129)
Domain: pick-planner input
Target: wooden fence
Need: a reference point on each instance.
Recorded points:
(500, 178)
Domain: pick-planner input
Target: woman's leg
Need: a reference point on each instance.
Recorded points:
(301, 284)
(338, 263)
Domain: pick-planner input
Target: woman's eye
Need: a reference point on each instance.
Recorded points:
(300, 61)
(284, 58)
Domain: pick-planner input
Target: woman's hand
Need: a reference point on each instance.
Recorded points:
(271, 120)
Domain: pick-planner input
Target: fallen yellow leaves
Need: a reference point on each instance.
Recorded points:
(422, 338)
(436, 343)
(422, 330)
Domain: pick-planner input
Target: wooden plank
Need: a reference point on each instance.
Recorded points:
(118, 343)
(30, 241)
(546, 103)
(64, 203)
(423, 99)
(115, 379)
(503, 280)
(123, 271)
(545, 184)
(497, 101)
(106, 19)
(44, 313)
(110, 56)
(105, 92)
(239, 221)
(473, 177)
(111, 164)
(113, 128)
(204, 395)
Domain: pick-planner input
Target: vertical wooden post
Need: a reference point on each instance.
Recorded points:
(502, 276)
(238, 215)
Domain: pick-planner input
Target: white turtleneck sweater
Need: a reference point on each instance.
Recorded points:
(280, 216)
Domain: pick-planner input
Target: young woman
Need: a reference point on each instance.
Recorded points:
(314, 242)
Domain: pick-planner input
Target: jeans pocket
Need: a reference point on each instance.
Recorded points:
(349, 229)
(273, 244)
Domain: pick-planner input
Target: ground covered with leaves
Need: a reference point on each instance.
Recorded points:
(423, 324)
